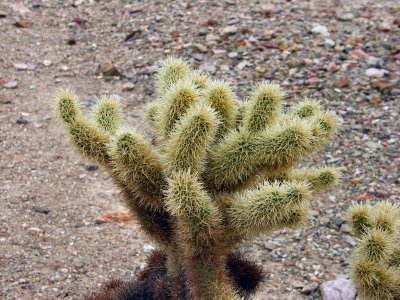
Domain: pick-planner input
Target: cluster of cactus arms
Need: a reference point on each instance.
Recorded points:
(217, 171)
(376, 264)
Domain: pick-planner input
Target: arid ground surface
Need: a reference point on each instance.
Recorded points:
(52, 244)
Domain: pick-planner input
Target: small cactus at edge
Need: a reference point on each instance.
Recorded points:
(219, 171)
(375, 268)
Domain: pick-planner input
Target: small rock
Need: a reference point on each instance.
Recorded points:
(21, 121)
(79, 264)
(4, 99)
(373, 72)
(233, 54)
(11, 85)
(91, 167)
(21, 67)
(148, 248)
(202, 31)
(211, 38)
(345, 228)
(35, 230)
(232, 21)
(242, 65)
(200, 47)
(373, 61)
(114, 216)
(198, 56)
(319, 29)
(358, 53)
(269, 246)
(329, 43)
(128, 86)
(350, 240)
(108, 69)
(309, 288)
(384, 26)
(342, 83)
(21, 23)
(339, 289)
(71, 41)
(337, 221)
(41, 210)
(345, 17)
(3, 14)
(230, 30)
(47, 63)
(261, 69)
(332, 67)
(208, 67)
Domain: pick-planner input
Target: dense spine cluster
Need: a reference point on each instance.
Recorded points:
(376, 263)
(220, 171)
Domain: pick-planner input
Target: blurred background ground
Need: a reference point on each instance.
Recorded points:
(346, 53)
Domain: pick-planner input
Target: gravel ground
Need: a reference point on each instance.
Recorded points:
(346, 53)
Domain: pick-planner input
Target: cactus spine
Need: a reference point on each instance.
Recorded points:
(221, 171)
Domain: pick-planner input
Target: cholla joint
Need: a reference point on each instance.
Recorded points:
(219, 172)
(375, 268)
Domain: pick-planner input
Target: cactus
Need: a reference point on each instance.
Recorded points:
(375, 267)
(218, 172)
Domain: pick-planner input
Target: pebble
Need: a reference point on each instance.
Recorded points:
(373, 61)
(319, 29)
(359, 53)
(91, 167)
(200, 47)
(230, 30)
(378, 73)
(128, 86)
(345, 17)
(108, 69)
(47, 63)
(148, 248)
(242, 65)
(11, 85)
(309, 288)
(35, 230)
(208, 67)
(233, 54)
(20, 66)
(329, 43)
(345, 228)
(41, 209)
(269, 246)
(79, 264)
(198, 56)
(339, 289)
(384, 26)
(4, 99)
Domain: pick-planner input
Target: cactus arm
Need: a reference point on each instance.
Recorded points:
(306, 109)
(170, 72)
(242, 154)
(267, 207)
(318, 178)
(188, 143)
(107, 115)
(220, 97)
(263, 107)
(175, 104)
(135, 161)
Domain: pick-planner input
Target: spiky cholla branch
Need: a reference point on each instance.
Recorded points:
(221, 171)
(376, 264)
